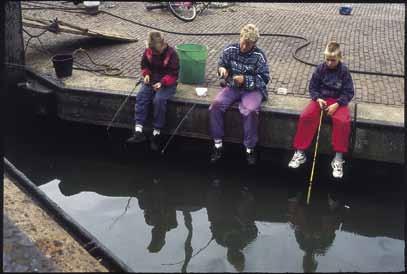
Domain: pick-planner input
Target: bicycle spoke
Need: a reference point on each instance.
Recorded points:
(183, 10)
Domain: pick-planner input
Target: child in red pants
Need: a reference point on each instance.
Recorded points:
(331, 89)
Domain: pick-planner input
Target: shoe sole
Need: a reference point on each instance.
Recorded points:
(302, 162)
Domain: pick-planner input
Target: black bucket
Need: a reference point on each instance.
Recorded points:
(63, 65)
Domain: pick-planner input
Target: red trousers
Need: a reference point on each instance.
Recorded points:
(308, 125)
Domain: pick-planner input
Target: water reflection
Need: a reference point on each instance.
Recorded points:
(234, 206)
(315, 224)
(158, 213)
(231, 214)
(182, 216)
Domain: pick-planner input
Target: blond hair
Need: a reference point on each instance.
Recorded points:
(250, 32)
(333, 50)
(154, 39)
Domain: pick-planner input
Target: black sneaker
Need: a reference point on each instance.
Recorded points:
(137, 137)
(155, 142)
(251, 157)
(216, 154)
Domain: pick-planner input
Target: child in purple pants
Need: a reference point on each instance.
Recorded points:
(245, 68)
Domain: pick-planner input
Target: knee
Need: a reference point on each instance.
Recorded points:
(307, 116)
(341, 121)
(247, 111)
(215, 106)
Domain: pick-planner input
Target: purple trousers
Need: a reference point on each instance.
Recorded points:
(249, 107)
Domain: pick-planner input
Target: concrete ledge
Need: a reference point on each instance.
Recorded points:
(93, 99)
(49, 237)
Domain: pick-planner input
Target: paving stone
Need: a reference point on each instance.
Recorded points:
(20, 254)
(372, 39)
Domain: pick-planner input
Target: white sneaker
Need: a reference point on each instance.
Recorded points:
(298, 159)
(337, 168)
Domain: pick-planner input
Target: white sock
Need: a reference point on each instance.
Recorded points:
(156, 132)
(218, 143)
(300, 151)
(249, 150)
(338, 156)
(138, 128)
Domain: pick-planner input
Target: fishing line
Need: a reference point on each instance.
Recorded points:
(176, 129)
(121, 106)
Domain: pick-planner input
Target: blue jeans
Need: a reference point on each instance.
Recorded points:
(145, 97)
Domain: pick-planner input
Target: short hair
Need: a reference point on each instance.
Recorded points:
(154, 38)
(333, 50)
(250, 32)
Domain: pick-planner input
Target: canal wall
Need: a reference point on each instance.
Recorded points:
(378, 74)
(378, 131)
(77, 251)
(58, 249)
(13, 43)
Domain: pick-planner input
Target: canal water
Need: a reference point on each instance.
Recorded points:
(176, 213)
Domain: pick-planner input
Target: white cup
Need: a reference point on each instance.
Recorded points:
(201, 91)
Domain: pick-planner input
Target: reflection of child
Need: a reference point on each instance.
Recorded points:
(157, 213)
(314, 227)
(232, 223)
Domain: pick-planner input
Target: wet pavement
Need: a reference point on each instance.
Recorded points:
(34, 242)
(20, 254)
(372, 39)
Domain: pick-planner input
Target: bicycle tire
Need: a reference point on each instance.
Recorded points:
(172, 7)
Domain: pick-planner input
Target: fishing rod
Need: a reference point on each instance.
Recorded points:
(199, 251)
(315, 155)
(176, 129)
(121, 106)
(222, 83)
(353, 141)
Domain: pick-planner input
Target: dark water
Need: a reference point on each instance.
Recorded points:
(176, 213)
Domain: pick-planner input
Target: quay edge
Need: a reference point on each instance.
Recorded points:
(91, 99)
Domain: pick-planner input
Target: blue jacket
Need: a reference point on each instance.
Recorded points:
(253, 65)
(336, 83)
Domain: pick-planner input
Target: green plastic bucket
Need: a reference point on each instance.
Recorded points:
(192, 63)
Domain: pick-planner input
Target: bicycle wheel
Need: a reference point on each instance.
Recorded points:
(186, 11)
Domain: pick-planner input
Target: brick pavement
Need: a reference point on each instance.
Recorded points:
(20, 254)
(34, 242)
(372, 39)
